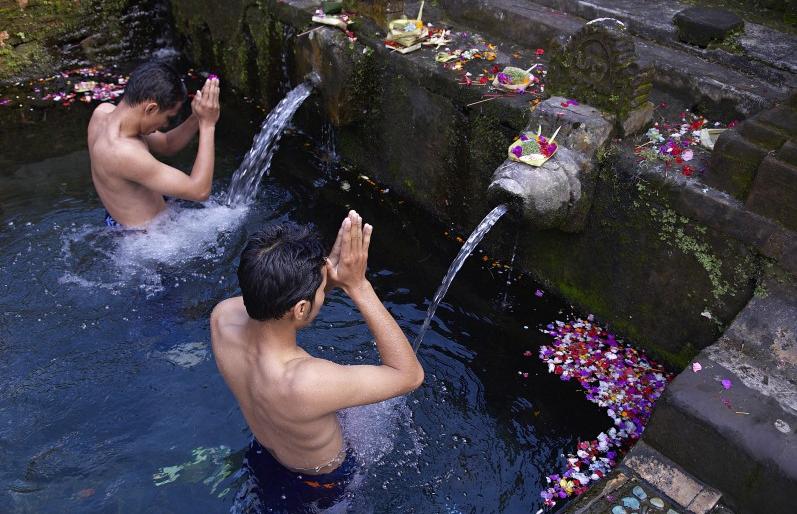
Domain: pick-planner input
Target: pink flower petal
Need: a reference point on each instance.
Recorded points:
(726, 383)
(696, 367)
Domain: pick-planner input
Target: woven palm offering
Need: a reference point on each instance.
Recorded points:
(513, 79)
(533, 149)
(709, 136)
(341, 21)
(407, 32)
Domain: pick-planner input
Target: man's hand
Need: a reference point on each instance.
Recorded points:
(348, 260)
(205, 104)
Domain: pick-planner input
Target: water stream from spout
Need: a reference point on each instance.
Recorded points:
(246, 179)
(474, 239)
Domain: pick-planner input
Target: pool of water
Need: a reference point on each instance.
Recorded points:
(110, 400)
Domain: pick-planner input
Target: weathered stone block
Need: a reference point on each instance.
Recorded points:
(781, 117)
(703, 25)
(734, 163)
(637, 119)
(788, 152)
(762, 134)
(774, 192)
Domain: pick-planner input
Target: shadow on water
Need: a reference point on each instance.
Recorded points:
(109, 385)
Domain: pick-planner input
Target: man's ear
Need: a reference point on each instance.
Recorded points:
(301, 310)
(150, 108)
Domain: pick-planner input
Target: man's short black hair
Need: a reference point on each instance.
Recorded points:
(156, 81)
(280, 266)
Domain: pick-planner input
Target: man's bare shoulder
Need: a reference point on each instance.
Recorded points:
(229, 313)
(103, 108)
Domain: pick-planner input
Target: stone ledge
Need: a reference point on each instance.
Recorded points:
(740, 440)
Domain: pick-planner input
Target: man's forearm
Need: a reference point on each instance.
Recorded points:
(180, 136)
(202, 172)
(393, 346)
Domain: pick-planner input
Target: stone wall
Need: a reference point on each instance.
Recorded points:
(651, 261)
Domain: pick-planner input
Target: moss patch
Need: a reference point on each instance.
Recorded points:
(34, 31)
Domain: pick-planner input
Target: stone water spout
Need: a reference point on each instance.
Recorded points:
(597, 65)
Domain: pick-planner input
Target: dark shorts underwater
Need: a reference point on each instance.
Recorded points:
(273, 488)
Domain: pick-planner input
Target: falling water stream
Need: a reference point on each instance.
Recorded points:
(244, 183)
(474, 239)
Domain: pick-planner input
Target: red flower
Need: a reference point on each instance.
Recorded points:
(687, 170)
(540, 51)
(483, 80)
(697, 124)
(678, 160)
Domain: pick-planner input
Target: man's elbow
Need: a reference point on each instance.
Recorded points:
(199, 195)
(417, 378)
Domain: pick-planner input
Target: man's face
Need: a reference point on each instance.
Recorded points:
(156, 118)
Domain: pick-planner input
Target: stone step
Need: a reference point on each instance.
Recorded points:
(758, 50)
(738, 436)
(682, 73)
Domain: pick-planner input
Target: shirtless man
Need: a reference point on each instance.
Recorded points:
(289, 398)
(130, 181)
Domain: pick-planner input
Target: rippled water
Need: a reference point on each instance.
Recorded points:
(108, 378)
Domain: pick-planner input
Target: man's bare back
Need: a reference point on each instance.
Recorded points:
(131, 183)
(264, 383)
(289, 398)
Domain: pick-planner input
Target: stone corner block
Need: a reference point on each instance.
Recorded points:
(703, 25)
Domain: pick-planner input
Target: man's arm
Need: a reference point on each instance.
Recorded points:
(143, 168)
(169, 143)
(328, 387)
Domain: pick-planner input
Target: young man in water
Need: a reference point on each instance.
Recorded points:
(288, 397)
(131, 183)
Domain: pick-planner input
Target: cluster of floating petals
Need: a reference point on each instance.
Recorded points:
(613, 375)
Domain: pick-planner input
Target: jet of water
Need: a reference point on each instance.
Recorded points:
(246, 179)
(474, 239)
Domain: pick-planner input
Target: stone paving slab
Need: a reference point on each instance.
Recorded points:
(647, 482)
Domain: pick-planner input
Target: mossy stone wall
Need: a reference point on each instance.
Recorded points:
(667, 282)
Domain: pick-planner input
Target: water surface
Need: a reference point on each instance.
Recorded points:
(108, 376)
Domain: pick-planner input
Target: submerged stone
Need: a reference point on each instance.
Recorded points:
(619, 510)
(630, 502)
(703, 25)
(658, 503)
(640, 493)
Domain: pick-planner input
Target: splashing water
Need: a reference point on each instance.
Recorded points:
(99, 258)
(257, 161)
(474, 239)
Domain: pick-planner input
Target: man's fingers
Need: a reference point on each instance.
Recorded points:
(367, 231)
(356, 232)
(334, 254)
(215, 97)
(345, 244)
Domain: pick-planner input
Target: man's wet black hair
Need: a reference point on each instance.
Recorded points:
(155, 81)
(280, 266)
